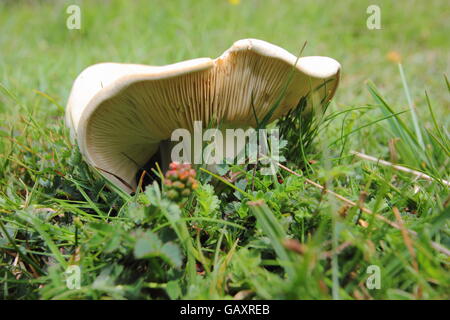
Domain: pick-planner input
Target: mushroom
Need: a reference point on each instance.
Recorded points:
(119, 114)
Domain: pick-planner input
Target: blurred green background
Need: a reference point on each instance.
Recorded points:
(37, 51)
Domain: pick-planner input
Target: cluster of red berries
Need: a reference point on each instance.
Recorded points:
(180, 181)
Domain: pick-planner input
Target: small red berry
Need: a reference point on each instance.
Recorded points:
(180, 181)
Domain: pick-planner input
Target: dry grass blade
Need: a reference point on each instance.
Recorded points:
(400, 168)
(435, 245)
(406, 238)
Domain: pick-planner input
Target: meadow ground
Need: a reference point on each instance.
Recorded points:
(299, 242)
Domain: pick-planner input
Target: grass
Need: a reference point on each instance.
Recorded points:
(255, 237)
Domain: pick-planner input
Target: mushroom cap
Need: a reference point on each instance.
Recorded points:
(119, 113)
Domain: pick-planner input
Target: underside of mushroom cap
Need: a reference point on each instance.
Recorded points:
(119, 113)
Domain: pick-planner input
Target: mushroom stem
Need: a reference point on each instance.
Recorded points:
(165, 149)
